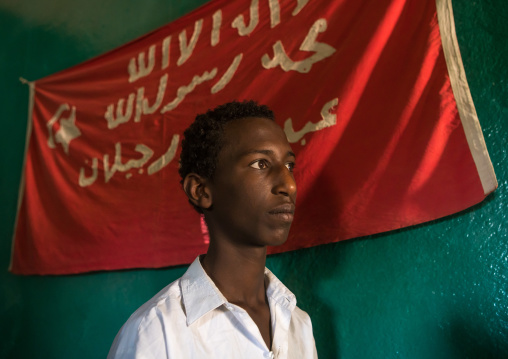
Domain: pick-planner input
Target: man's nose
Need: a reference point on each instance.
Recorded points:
(284, 182)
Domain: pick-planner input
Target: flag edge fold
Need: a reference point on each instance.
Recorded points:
(463, 98)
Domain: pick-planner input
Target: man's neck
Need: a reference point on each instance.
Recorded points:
(237, 272)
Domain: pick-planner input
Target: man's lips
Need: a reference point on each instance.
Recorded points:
(283, 212)
(283, 208)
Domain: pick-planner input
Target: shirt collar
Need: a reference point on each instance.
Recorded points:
(200, 295)
(278, 292)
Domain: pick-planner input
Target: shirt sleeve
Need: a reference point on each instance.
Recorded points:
(140, 338)
(302, 344)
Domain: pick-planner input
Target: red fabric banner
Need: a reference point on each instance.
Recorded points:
(361, 89)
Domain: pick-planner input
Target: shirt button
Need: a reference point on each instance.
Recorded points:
(269, 355)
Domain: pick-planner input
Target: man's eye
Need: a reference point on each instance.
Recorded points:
(259, 164)
(290, 166)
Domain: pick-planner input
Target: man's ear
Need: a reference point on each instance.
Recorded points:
(198, 190)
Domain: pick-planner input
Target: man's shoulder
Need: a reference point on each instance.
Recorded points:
(301, 315)
(144, 325)
(301, 324)
(166, 303)
(166, 308)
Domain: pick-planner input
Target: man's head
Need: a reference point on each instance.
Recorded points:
(204, 138)
(238, 171)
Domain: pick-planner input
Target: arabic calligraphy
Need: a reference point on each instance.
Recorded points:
(228, 75)
(300, 5)
(87, 181)
(239, 21)
(166, 157)
(186, 89)
(143, 64)
(118, 165)
(131, 107)
(147, 109)
(321, 51)
(217, 21)
(136, 104)
(124, 167)
(186, 49)
(328, 119)
(140, 69)
(274, 13)
(123, 115)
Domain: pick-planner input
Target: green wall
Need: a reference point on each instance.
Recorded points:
(438, 290)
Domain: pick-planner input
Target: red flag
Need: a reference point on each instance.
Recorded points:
(361, 88)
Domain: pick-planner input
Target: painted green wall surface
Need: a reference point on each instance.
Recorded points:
(437, 290)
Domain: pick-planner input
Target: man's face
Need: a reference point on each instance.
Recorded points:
(253, 190)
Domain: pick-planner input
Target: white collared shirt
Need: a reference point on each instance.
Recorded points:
(190, 318)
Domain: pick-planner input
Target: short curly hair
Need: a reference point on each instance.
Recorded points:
(203, 139)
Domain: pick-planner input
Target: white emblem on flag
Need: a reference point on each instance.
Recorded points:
(67, 131)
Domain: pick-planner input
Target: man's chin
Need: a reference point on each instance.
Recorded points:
(279, 239)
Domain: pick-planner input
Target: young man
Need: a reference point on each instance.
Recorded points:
(237, 169)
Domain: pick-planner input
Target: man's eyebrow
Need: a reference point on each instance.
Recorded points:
(267, 152)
